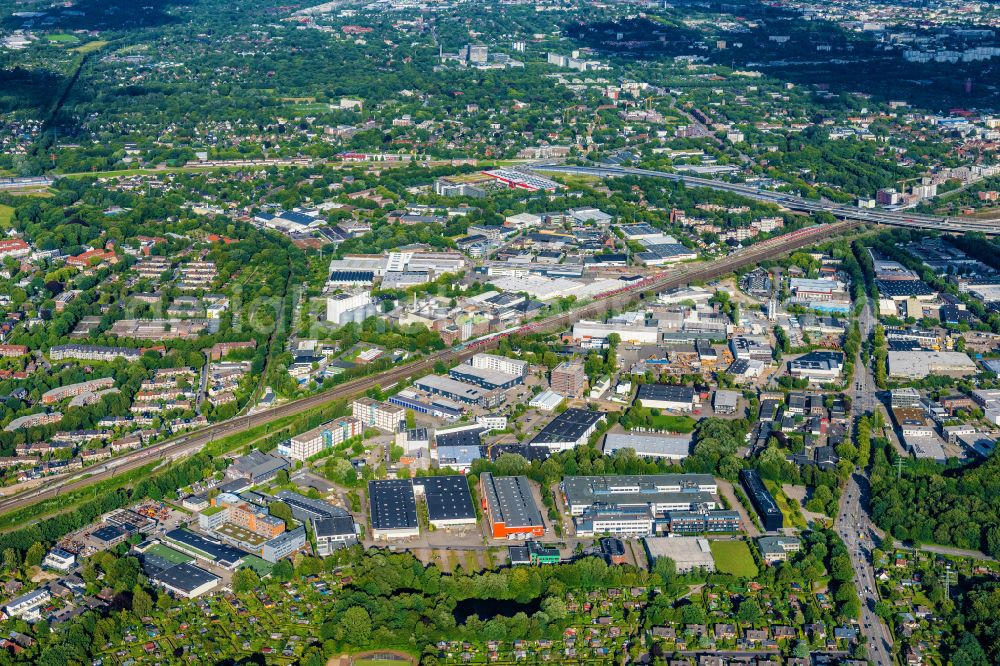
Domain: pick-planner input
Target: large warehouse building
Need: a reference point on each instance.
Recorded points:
(393, 509)
(569, 430)
(509, 507)
(448, 498)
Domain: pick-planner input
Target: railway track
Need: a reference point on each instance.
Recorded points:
(190, 443)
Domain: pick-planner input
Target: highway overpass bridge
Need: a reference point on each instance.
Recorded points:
(790, 201)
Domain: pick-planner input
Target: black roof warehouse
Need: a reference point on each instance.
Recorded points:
(449, 500)
(568, 430)
(393, 508)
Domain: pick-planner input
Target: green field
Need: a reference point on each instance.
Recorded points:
(681, 424)
(62, 38)
(169, 554)
(6, 216)
(90, 47)
(734, 557)
(789, 509)
(258, 564)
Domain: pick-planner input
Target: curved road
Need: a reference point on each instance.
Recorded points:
(790, 201)
(192, 442)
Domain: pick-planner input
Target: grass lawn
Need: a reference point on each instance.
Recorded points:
(682, 424)
(258, 564)
(734, 557)
(577, 180)
(790, 510)
(63, 38)
(6, 215)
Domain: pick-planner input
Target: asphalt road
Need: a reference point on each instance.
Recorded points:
(790, 201)
(853, 523)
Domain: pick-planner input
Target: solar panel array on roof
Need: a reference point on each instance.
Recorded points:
(393, 505)
(305, 508)
(352, 276)
(666, 393)
(185, 577)
(329, 527)
(567, 427)
(900, 288)
(220, 553)
(448, 497)
(466, 438)
(108, 533)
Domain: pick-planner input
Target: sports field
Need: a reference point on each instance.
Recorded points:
(169, 554)
(733, 557)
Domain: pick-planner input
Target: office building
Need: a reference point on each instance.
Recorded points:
(625, 521)
(658, 492)
(509, 507)
(905, 398)
(725, 402)
(334, 533)
(284, 544)
(770, 515)
(569, 379)
(817, 366)
(532, 553)
(699, 522)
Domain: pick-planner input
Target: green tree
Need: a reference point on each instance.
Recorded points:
(245, 580)
(282, 511)
(142, 603)
(35, 555)
(357, 624)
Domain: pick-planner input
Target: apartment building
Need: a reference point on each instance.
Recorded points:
(373, 413)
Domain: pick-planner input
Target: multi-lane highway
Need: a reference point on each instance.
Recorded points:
(190, 443)
(853, 523)
(790, 201)
(854, 528)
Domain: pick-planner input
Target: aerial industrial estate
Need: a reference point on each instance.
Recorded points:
(520, 332)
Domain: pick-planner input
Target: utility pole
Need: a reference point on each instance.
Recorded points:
(899, 467)
(948, 578)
